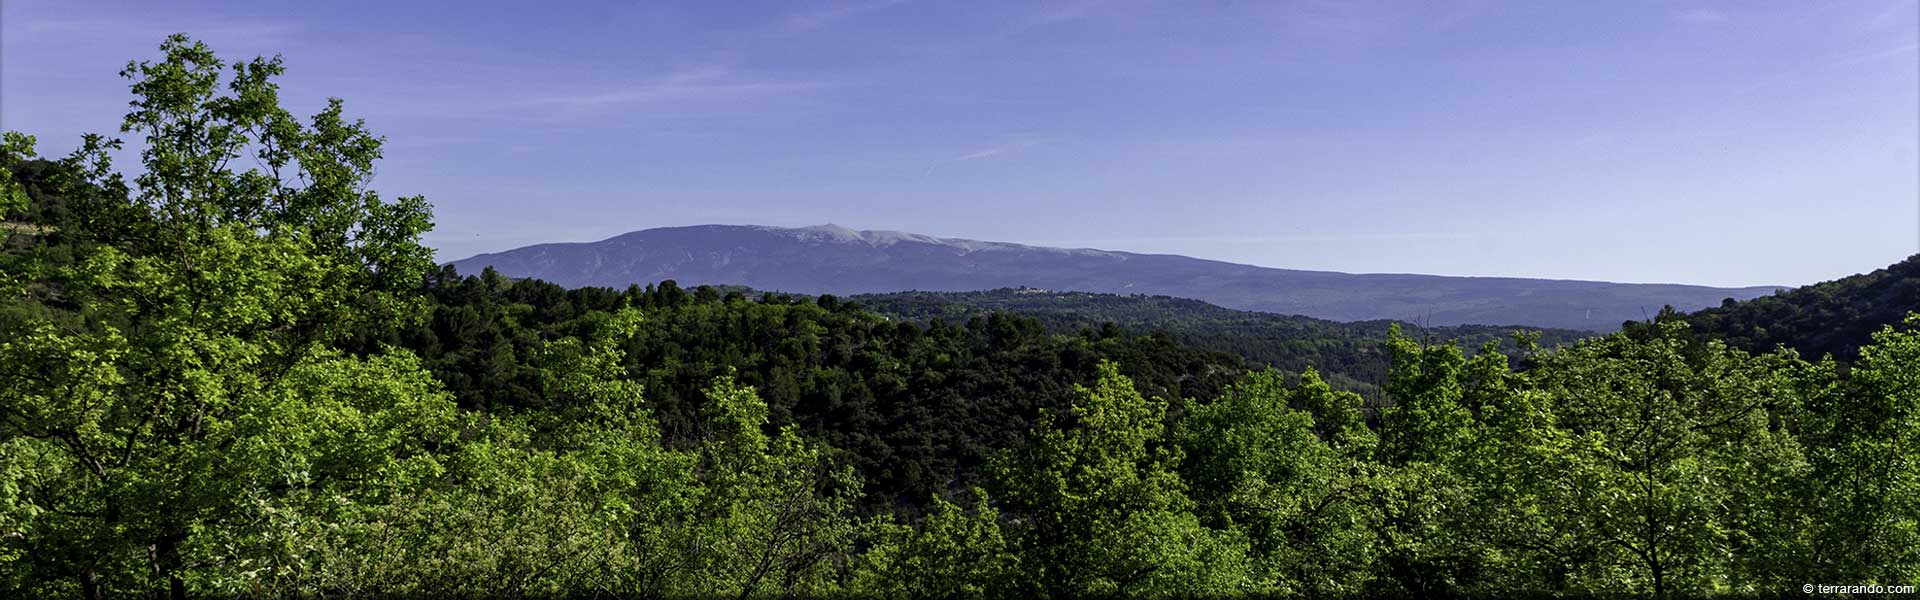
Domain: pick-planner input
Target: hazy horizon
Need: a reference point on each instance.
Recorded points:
(1723, 144)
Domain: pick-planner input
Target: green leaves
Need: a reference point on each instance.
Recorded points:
(171, 359)
(14, 147)
(1429, 421)
(1866, 460)
(954, 553)
(1289, 468)
(1103, 510)
(1682, 446)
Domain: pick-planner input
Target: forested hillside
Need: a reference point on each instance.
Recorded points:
(916, 408)
(235, 371)
(1835, 317)
(1350, 355)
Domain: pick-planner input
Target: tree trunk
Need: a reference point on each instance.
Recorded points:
(90, 585)
(166, 560)
(1659, 581)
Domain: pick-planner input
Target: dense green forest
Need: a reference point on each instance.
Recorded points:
(1350, 355)
(1835, 317)
(236, 372)
(916, 408)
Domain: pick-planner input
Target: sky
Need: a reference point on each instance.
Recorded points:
(1736, 143)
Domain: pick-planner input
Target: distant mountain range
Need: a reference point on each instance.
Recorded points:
(831, 259)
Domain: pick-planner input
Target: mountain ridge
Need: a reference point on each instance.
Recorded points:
(832, 259)
(1830, 318)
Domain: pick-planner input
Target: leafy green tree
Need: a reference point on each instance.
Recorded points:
(531, 505)
(1864, 445)
(1678, 454)
(15, 147)
(1429, 420)
(1426, 438)
(1515, 478)
(774, 517)
(953, 553)
(147, 382)
(1291, 467)
(1102, 508)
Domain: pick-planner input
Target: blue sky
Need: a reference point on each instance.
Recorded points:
(1720, 143)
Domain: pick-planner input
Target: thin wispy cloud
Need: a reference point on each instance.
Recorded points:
(1349, 24)
(1345, 27)
(1020, 143)
(834, 13)
(1061, 12)
(1883, 53)
(1892, 13)
(565, 106)
(1700, 16)
(1372, 24)
(242, 33)
(987, 153)
(1801, 75)
(1457, 13)
(706, 84)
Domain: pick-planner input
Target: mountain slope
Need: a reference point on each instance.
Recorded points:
(837, 260)
(1835, 317)
(1350, 354)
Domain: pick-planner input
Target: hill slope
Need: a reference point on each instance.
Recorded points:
(1836, 317)
(837, 260)
(1350, 355)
